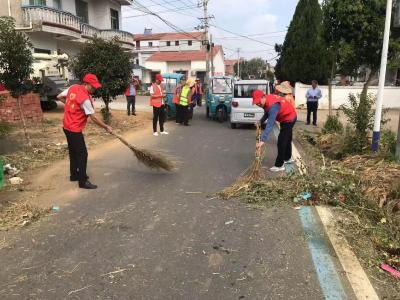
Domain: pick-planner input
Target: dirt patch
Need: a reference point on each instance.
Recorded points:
(48, 146)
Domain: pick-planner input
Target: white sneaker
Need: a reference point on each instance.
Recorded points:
(290, 161)
(155, 133)
(277, 169)
(164, 133)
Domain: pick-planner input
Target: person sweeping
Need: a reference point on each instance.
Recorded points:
(157, 95)
(78, 108)
(276, 108)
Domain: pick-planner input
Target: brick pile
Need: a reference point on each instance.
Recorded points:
(30, 104)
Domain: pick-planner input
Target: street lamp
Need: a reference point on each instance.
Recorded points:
(382, 74)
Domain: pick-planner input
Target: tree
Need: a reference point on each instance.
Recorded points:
(108, 61)
(15, 63)
(255, 68)
(354, 31)
(303, 53)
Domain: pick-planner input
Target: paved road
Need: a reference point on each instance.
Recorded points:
(146, 235)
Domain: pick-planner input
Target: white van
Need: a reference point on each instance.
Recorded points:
(243, 110)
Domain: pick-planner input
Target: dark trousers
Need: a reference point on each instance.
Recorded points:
(312, 107)
(78, 155)
(197, 99)
(158, 116)
(178, 114)
(131, 101)
(285, 143)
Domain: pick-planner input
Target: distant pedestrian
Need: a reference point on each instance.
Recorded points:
(130, 94)
(157, 95)
(313, 95)
(277, 109)
(185, 100)
(176, 100)
(78, 108)
(198, 92)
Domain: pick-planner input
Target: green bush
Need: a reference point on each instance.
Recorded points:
(354, 142)
(333, 125)
(387, 144)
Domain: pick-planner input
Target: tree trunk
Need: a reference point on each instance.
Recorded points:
(333, 71)
(21, 114)
(398, 141)
(368, 82)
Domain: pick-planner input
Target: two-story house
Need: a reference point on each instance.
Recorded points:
(57, 28)
(174, 53)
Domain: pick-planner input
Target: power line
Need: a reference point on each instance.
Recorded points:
(178, 10)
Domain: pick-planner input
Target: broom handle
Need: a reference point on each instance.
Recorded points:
(258, 137)
(122, 140)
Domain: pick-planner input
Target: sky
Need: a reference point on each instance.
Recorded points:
(266, 21)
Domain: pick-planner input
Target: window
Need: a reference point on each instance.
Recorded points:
(168, 43)
(189, 43)
(150, 44)
(82, 10)
(57, 4)
(114, 19)
(169, 85)
(246, 90)
(222, 86)
(37, 2)
(176, 43)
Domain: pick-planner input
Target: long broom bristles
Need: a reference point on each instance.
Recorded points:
(150, 159)
(252, 174)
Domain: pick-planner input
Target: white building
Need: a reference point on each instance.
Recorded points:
(174, 53)
(57, 28)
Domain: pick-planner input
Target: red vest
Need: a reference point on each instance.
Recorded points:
(157, 101)
(177, 92)
(75, 118)
(287, 112)
(198, 88)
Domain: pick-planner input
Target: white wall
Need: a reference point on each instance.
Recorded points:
(69, 6)
(183, 46)
(391, 98)
(198, 65)
(178, 66)
(219, 64)
(156, 66)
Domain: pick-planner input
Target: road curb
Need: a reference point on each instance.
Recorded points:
(356, 275)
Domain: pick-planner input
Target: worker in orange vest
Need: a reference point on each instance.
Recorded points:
(157, 101)
(176, 99)
(286, 91)
(277, 109)
(197, 92)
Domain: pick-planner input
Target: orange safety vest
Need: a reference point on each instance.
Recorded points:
(290, 99)
(177, 92)
(157, 99)
(198, 88)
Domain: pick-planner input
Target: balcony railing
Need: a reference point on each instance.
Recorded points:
(51, 16)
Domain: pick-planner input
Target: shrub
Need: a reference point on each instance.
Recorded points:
(5, 128)
(333, 125)
(387, 144)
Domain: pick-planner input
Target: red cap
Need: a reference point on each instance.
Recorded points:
(159, 77)
(257, 95)
(92, 80)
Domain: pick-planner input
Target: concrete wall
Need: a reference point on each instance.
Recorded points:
(172, 67)
(183, 46)
(391, 98)
(219, 64)
(157, 66)
(16, 11)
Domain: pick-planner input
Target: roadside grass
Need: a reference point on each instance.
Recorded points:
(364, 191)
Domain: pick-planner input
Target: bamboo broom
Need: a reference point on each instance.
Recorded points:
(253, 173)
(150, 159)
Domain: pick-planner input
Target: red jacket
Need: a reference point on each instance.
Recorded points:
(286, 114)
(75, 118)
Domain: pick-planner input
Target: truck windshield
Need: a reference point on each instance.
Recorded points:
(222, 86)
(246, 90)
(169, 85)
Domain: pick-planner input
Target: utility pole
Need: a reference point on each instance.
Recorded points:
(207, 42)
(382, 74)
(212, 55)
(238, 63)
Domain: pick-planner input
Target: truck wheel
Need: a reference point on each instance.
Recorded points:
(233, 125)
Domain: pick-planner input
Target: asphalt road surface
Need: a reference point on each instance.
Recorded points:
(149, 235)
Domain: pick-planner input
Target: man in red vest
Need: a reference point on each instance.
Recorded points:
(277, 109)
(157, 101)
(198, 92)
(78, 108)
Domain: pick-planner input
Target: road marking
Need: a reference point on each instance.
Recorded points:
(328, 278)
(358, 279)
